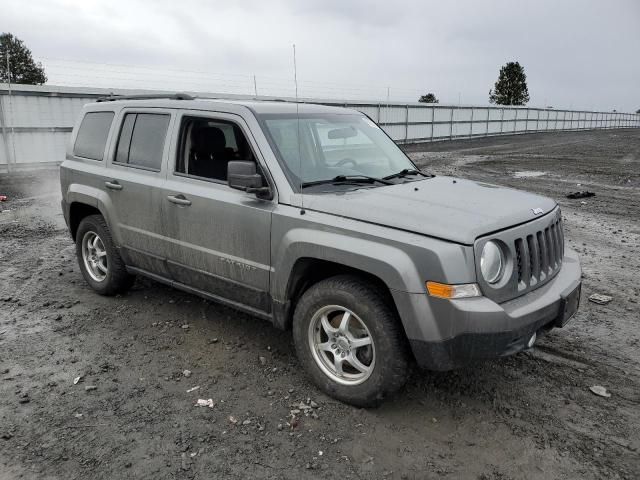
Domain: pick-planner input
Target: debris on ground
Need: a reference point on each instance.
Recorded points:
(600, 298)
(307, 409)
(77, 379)
(3, 198)
(582, 194)
(233, 419)
(185, 461)
(205, 403)
(90, 388)
(193, 389)
(186, 373)
(600, 391)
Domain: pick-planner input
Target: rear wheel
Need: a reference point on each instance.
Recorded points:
(99, 260)
(350, 341)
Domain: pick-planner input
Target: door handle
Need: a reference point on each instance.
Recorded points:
(179, 199)
(113, 185)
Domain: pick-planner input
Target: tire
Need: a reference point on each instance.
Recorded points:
(102, 256)
(379, 368)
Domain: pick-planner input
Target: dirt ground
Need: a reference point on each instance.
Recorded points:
(132, 414)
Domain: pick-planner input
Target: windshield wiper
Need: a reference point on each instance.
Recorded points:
(405, 172)
(341, 179)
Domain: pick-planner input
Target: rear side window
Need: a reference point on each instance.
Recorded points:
(141, 140)
(92, 135)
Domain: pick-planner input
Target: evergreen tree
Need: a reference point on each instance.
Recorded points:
(428, 98)
(22, 67)
(511, 87)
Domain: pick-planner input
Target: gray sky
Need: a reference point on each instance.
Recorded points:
(580, 54)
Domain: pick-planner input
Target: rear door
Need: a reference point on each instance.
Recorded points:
(220, 236)
(138, 162)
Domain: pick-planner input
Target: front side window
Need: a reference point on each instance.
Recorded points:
(318, 147)
(92, 135)
(141, 140)
(208, 145)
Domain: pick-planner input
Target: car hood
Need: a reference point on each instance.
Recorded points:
(443, 207)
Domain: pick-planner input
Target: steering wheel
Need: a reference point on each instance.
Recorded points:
(344, 161)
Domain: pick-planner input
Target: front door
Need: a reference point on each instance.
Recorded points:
(220, 237)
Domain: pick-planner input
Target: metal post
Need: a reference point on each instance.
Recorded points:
(486, 133)
(501, 119)
(515, 121)
(255, 86)
(13, 138)
(5, 139)
(526, 122)
(406, 124)
(379, 119)
(471, 129)
(451, 124)
(549, 112)
(433, 120)
(546, 128)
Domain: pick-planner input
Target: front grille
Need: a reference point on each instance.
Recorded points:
(539, 254)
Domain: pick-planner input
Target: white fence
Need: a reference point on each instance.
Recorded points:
(35, 122)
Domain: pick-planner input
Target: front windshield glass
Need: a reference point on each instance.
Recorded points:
(332, 145)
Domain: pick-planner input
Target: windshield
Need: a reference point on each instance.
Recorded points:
(332, 145)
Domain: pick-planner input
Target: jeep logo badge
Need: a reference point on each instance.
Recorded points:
(537, 211)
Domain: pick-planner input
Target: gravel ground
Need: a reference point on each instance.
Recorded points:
(140, 356)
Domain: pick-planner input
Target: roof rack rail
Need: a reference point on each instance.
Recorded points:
(170, 96)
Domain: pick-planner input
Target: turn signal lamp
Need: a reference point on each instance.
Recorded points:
(443, 290)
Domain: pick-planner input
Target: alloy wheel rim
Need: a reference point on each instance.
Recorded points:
(94, 256)
(342, 345)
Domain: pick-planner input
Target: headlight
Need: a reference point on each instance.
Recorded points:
(492, 262)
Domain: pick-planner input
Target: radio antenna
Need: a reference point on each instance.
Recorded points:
(295, 80)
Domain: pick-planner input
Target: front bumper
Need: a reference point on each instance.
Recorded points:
(461, 331)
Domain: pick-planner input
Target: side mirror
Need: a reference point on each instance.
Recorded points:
(242, 175)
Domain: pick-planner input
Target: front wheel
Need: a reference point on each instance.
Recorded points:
(349, 339)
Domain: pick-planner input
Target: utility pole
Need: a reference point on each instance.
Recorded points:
(3, 118)
(255, 86)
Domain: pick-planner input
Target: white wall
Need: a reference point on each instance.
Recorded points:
(36, 121)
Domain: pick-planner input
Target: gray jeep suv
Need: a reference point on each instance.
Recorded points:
(312, 218)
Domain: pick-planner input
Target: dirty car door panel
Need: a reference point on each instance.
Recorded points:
(134, 186)
(219, 237)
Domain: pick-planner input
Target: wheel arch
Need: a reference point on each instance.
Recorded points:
(308, 271)
(83, 200)
(78, 211)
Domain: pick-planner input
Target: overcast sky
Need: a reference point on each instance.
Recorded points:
(580, 54)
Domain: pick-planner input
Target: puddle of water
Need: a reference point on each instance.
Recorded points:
(529, 174)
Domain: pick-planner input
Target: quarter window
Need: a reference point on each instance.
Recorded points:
(92, 135)
(142, 138)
